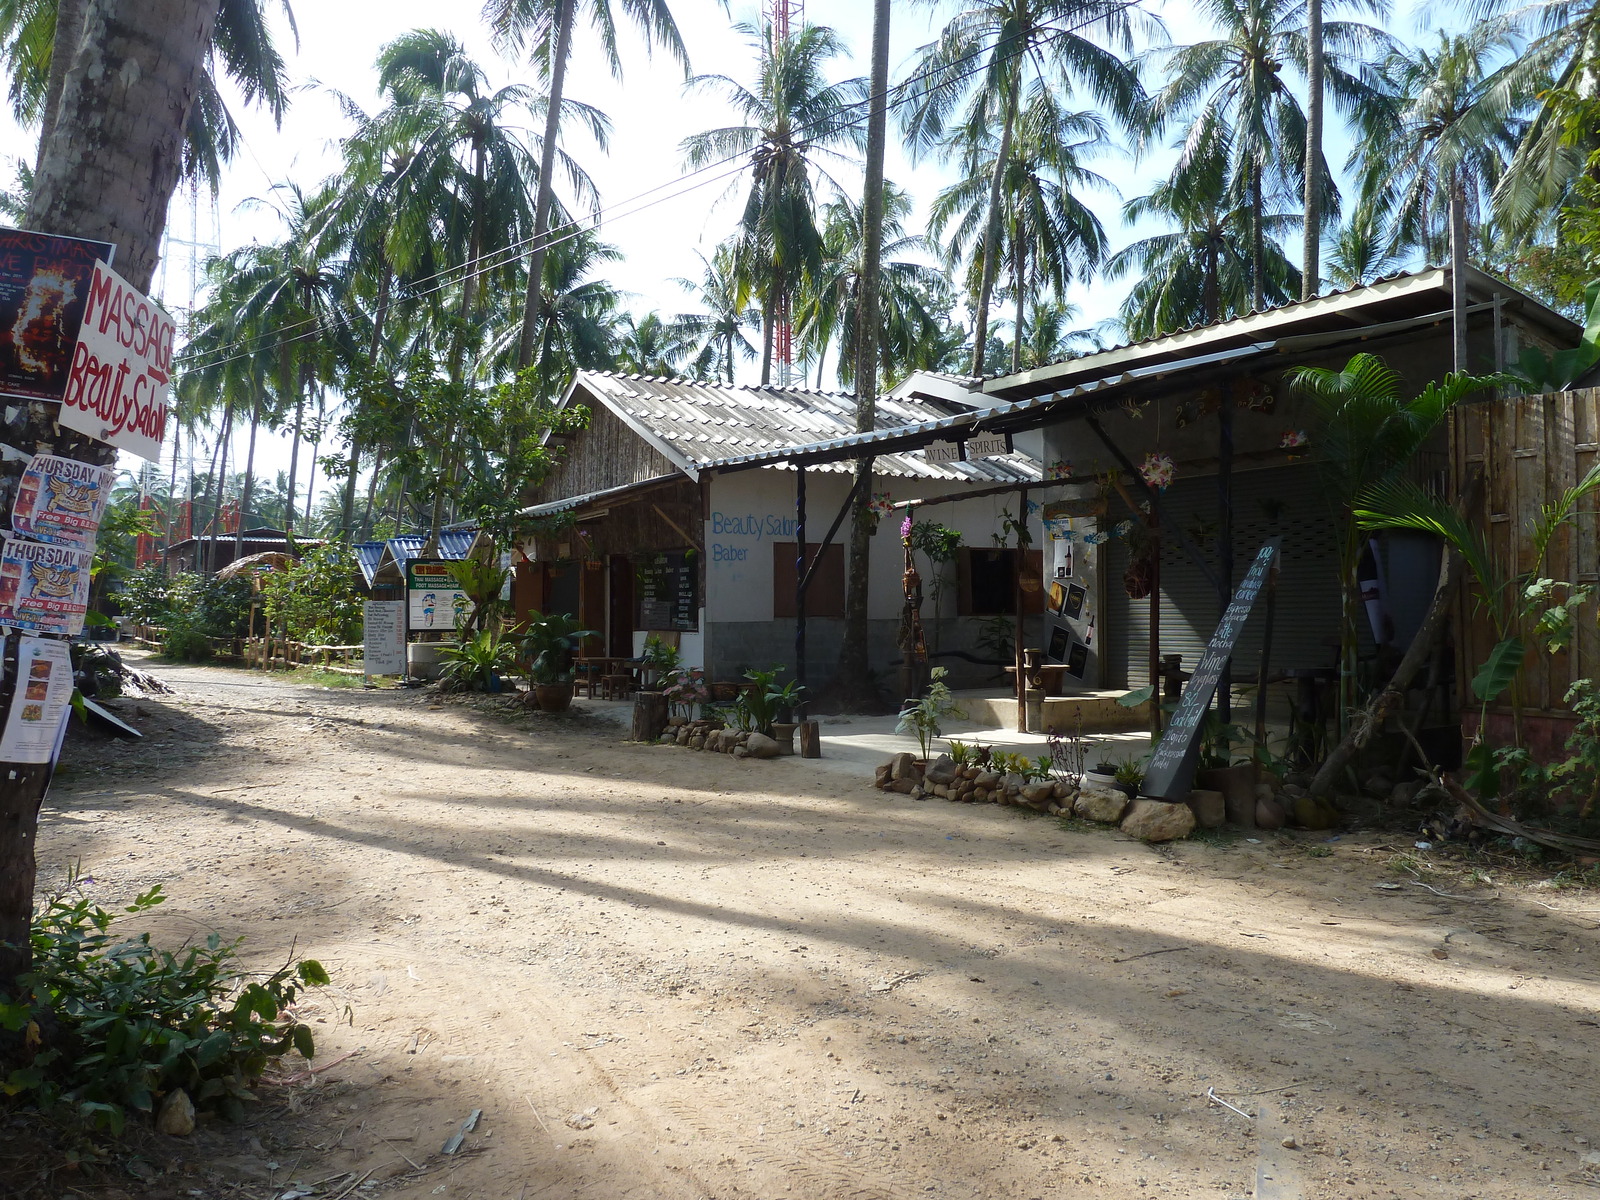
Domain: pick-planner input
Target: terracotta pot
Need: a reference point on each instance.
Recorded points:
(783, 734)
(553, 697)
(1238, 787)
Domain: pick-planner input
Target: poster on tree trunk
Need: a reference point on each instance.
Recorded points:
(39, 707)
(61, 500)
(42, 587)
(44, 285)
(121, 371)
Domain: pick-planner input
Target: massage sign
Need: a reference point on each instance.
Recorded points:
(121, 371)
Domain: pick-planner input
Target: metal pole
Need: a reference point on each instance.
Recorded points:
(1225, 538)
(1155, 630)
(800, 582)
(1016, 593)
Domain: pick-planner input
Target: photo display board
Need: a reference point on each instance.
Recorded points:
(669, 591)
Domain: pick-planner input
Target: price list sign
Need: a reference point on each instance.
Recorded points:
(669, 591)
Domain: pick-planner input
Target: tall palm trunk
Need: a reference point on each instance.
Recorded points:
(853, 662)
(991, 237)
(448, 453)
(372, 492)
(108, 165)
(295, 386)
(1458, 269)
(768, 319)
(1258, 243)
(172, 484)
(544, 199)
(1018, 271)
(246, 495)
(1213, 284)
(316, 450)
(1311, 269)
(379, 319)
(219, 478)
(70, 16)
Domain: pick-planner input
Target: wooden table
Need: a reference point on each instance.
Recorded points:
(596, 668)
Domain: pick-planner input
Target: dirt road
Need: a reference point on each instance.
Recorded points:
(675, 975)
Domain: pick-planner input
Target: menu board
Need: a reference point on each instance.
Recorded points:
(1172, 765)
(669, 590)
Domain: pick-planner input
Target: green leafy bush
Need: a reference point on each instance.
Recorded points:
(477, 664)
(144, 595)
(129, 1022)
(318, 600)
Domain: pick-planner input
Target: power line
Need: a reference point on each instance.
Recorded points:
(577, 227)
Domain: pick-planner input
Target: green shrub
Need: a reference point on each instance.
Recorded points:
(129, 1023)
(144, 595)
(218, 608)
(318, 600)
(184, 639)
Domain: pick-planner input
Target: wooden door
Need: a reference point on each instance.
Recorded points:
(620, 602)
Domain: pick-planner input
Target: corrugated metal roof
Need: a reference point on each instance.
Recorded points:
(815, 456)
(699, 425)
(369, 555)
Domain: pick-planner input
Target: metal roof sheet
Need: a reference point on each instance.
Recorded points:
(368, 555)
(699, 425)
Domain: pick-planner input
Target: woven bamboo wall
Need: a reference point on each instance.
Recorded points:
(1531, 449)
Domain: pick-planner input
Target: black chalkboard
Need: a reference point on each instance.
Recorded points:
(1171, 768)
(669, 591)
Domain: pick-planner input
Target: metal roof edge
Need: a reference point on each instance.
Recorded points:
(550, 507)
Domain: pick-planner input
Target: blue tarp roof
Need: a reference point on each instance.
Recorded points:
(453, 544)
(369, 555)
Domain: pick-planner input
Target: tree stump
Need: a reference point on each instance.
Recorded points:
(649, 716)
(810, 740)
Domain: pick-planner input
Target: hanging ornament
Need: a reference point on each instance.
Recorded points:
(1158, 470)
(881, 505)
(1060, 469)
(1296, 441)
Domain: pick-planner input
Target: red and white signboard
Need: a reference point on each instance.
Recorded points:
(121, 372)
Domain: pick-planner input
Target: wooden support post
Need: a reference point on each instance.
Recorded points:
(1266, 658)
(1155, 631)
(810, 740)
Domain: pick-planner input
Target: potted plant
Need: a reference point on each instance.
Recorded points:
(476, 664)
(548, 649)
(921, 717)
(1218, 772)
(1104, 774)
(685, 689)
(786, 700)
(1129, 775)
(656, 662)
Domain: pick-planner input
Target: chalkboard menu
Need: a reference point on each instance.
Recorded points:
(1172, 765)
(669, 590)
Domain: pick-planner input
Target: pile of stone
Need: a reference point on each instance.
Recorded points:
(1143, 818)
(711, 735)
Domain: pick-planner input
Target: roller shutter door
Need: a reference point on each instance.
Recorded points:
(1281, 501)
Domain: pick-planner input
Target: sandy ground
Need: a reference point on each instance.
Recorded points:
(668, 974)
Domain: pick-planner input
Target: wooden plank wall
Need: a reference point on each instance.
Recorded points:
(606, 454)
(1530, 449)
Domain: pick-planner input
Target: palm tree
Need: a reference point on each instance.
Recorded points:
(829, 306)
(242, 48)
(545, 27)
(652, 346)
(1557, 67)
(720, 328)
(793, 121)
(1361, 252)
(1049, 337)
(1200, 272)
(1233, 93)
(990, 61)
(1047, 235)
(1438, 145)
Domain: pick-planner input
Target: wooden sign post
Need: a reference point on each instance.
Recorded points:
(1172, 765)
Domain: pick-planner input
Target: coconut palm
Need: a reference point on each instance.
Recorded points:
(1438, 145)
(795, 122)
(1361, 251)
(1202, 270)
(1233, 93)
(1556, 66)
(828, 310)
(544, 27)
(242, 48)
(989, 61)
(1047, 237)
(1049, 336)
(653, 346)
(720, 328)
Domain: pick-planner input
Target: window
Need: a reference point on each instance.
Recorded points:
(988, 583)
(825, 596)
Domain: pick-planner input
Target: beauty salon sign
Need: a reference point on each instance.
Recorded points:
(121, 373)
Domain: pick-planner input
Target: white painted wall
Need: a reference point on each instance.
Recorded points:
(753, 509)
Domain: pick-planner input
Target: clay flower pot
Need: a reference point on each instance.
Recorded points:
(553, 697)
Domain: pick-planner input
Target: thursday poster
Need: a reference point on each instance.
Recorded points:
(44, 587)
(62, 501)
(39, 708)
(44, 285)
